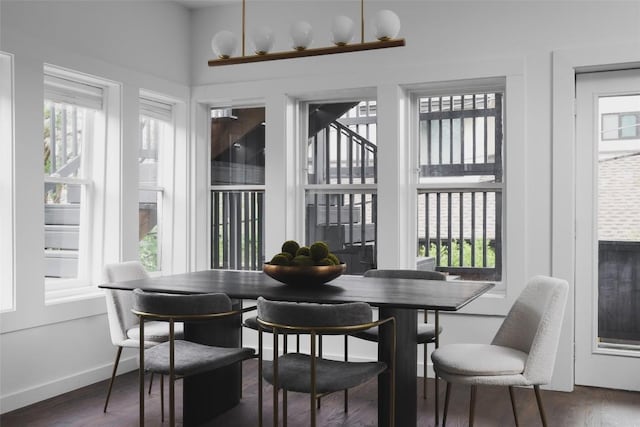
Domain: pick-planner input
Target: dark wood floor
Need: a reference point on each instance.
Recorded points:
(586, 406)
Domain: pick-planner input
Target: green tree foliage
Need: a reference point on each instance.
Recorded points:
(443, 257)
(148, 250)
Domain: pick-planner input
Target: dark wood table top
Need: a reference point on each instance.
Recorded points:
(398, 293)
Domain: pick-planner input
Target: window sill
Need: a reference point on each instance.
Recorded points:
(72, 294)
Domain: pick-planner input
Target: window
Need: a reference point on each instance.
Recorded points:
(460, 141)
(6, 183)
(237, 188)
(73, 129)
(341, 177)
(156, 133)
(624, 125)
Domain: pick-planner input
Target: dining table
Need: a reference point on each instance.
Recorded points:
(203, 396)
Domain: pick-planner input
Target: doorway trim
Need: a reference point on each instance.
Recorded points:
(565, 65)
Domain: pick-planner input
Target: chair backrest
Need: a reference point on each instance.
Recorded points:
(119, 303)
(533, 326)
(406, 274)
(161, 304)
(311, 315)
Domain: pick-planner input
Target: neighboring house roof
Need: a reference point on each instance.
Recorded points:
(619, 198)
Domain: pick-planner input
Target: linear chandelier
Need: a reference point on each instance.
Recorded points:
(386, 27)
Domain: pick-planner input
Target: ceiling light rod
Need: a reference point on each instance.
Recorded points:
(386, 28)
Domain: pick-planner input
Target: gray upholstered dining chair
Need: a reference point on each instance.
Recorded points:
(309, 373)
(522, 353)
(252, 323)
(179, 358)
(426, 331)
(123, 325)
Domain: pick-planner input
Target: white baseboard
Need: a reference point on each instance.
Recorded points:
(62, 385)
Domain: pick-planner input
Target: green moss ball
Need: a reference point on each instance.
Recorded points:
(302, 260)
(303, 250)
(319, 250)
(334, 258)
(324, 261)
(280, 259)
(290, 246)
(286, 254)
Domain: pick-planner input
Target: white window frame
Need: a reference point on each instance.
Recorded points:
(159, 108)
(302, 160)
(229, 187)
(166, 108)
(99, 213)
(7, 237)
(482, 85)
(488, 86)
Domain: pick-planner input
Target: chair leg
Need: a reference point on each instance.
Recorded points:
(320, 355)
(536, 388)
(436, 398)
(260, 378)
(284, 408)
(141, 376)
(437, 344)
(113, 377)
(447, 394)
(472, 405)
(150, 382)
(161, 397)
(424, 368)
(346, 359)
(513, 405)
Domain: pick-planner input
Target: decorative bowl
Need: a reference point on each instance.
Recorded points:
(304, 275)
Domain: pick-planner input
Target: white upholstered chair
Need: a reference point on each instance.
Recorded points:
(123, 324)
(522, 353)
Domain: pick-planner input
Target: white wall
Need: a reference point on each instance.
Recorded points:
(47, 349)
(445, 41)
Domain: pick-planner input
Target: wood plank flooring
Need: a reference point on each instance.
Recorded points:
(586, 406)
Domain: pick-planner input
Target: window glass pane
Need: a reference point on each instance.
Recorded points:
(461, 136)
(628, 125)
(610, 126)
(460, 231)
(342, 147)
(237, 146)
(347, 223)
(65, 131)
(152, 132)
(62, 229)
(460, 143)
(618, 222)
(341, 150)
(237, 229)
(149, 229)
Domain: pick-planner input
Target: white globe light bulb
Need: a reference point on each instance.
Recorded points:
(263, 39)
(342, 30)
(386, 25)
(301, 35)
(224, 44)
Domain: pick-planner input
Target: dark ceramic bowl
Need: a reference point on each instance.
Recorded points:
(312, 275)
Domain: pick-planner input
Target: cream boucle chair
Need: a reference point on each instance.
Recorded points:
(522, 353)
(123, 325)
